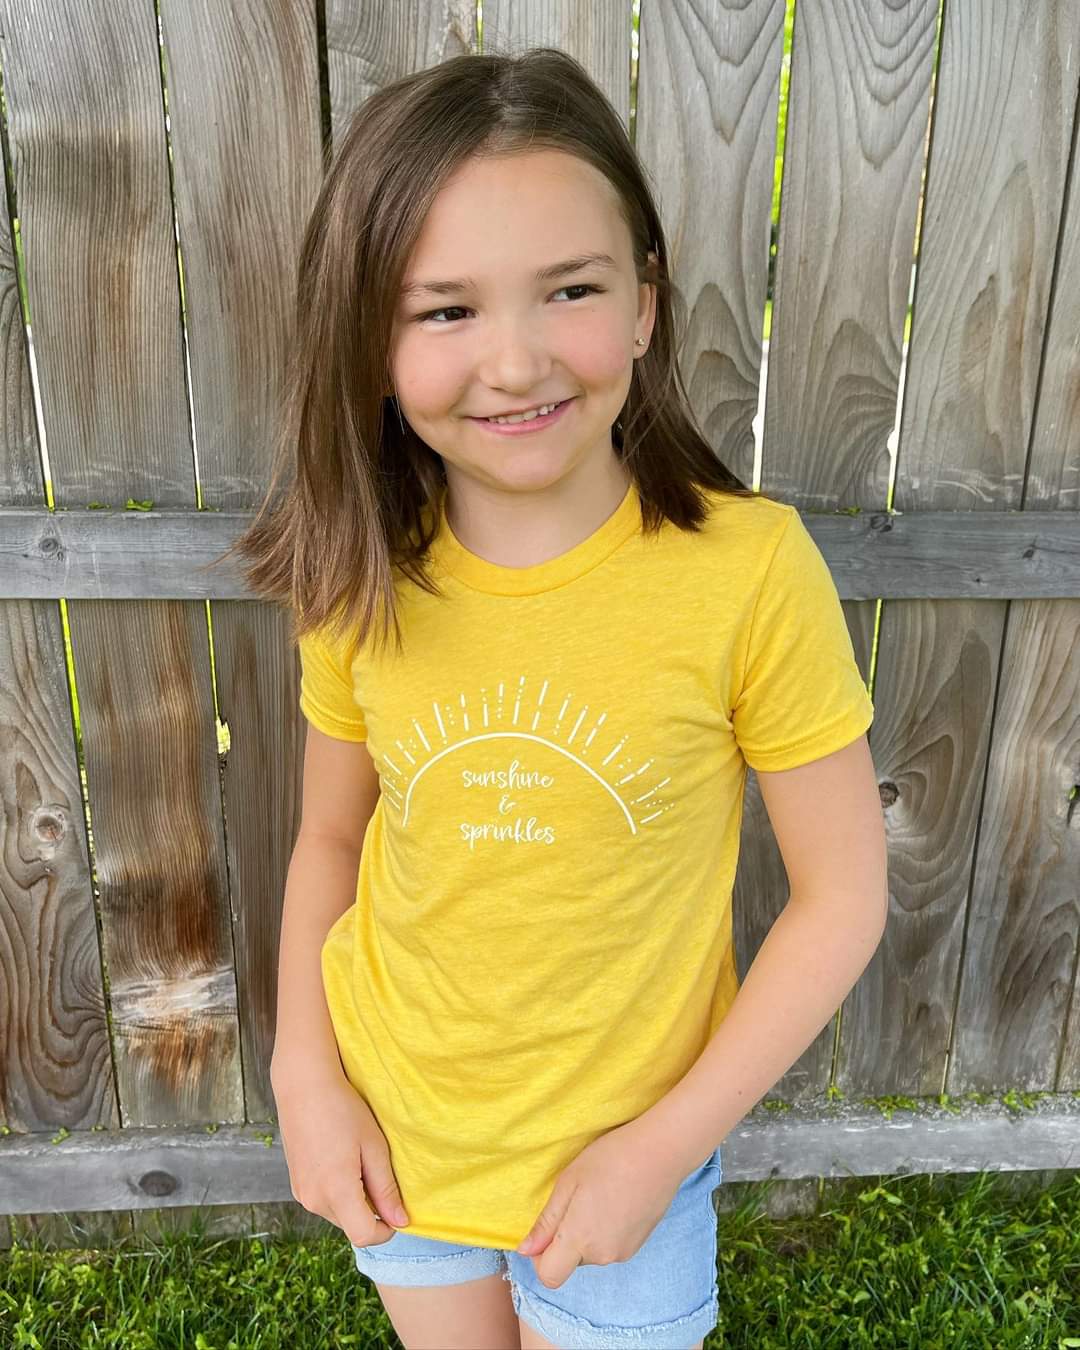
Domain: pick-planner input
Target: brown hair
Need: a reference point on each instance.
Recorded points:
(360, 477)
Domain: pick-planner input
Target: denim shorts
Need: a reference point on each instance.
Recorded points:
(663, 1298)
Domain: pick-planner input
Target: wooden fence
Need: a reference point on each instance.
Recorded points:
(143, 863)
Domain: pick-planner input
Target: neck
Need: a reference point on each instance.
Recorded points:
(521, 529)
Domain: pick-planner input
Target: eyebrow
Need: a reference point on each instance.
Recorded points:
(552, 273)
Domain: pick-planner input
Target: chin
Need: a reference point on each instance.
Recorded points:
(537, 471)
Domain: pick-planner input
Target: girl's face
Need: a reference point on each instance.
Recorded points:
(487, 336)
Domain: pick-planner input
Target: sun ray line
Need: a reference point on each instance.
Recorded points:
(614, 751)
(581, 718)
(596, 728)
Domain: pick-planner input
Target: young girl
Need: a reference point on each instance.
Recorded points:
(507, 935)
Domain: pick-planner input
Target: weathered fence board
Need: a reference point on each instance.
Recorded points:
(1018, 1015)
(91, 175)
(170, 555)
(246, 124)
(857, 119)
(151, 1169)
(981, 947)
(45, 911)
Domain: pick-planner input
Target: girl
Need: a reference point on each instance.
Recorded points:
(506, 937)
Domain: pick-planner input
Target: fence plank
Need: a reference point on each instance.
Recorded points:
(20, 482)
(55, 1065)
(1017, 1020)
(92, 176)
(708, 89)
(1054, 478)
(247, 141)
(977, 961)
(856, 133)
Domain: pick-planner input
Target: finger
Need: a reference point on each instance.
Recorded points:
(360, 1224)
(381, 1185)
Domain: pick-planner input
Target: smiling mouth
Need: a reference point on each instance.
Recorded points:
(527, 414)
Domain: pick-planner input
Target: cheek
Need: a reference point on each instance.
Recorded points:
(424, 382)
(600, 357)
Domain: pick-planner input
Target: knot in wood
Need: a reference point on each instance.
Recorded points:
(157, 1183)
(49, 823)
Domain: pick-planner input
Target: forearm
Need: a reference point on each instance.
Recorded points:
(319, 888)
(809, 961)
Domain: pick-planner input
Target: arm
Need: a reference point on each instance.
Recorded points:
(827, 819)
(339, 795)
(321, 886)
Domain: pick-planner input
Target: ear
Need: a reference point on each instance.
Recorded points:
(646, 315)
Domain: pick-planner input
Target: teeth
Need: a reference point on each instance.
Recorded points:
(526, 417)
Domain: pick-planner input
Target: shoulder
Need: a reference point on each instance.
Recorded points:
(740, 533)
(758, 514)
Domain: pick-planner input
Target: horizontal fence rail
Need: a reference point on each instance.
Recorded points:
(162, 555)
(245, 1164)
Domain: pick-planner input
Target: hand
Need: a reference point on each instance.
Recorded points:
(335, 1150)
(603, 1205)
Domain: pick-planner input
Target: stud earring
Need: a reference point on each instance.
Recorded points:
(640, 341)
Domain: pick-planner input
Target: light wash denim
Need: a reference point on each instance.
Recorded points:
(663, 1298)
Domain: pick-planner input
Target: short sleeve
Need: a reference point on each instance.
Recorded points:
(327, 696)
(802, 694)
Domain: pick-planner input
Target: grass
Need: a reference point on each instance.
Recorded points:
(920, 1262)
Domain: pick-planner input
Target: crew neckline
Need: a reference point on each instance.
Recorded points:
(497, 579)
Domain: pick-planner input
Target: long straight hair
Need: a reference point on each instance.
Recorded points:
(348, 510)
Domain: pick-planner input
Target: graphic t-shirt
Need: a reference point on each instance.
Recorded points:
(541, 943)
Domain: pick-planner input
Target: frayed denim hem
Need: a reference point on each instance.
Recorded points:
(419, 1271)
(577, 1333)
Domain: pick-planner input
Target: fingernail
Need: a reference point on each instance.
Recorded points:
(400, 1216)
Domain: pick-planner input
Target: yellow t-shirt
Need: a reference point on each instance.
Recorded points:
(541, 942)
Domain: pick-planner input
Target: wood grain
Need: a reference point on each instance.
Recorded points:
(981, 734)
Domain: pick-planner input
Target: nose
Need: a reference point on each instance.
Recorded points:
(515, 359)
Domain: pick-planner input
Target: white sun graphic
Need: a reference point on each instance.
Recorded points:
(570, 731)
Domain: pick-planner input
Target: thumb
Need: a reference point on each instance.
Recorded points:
(381, 1186)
